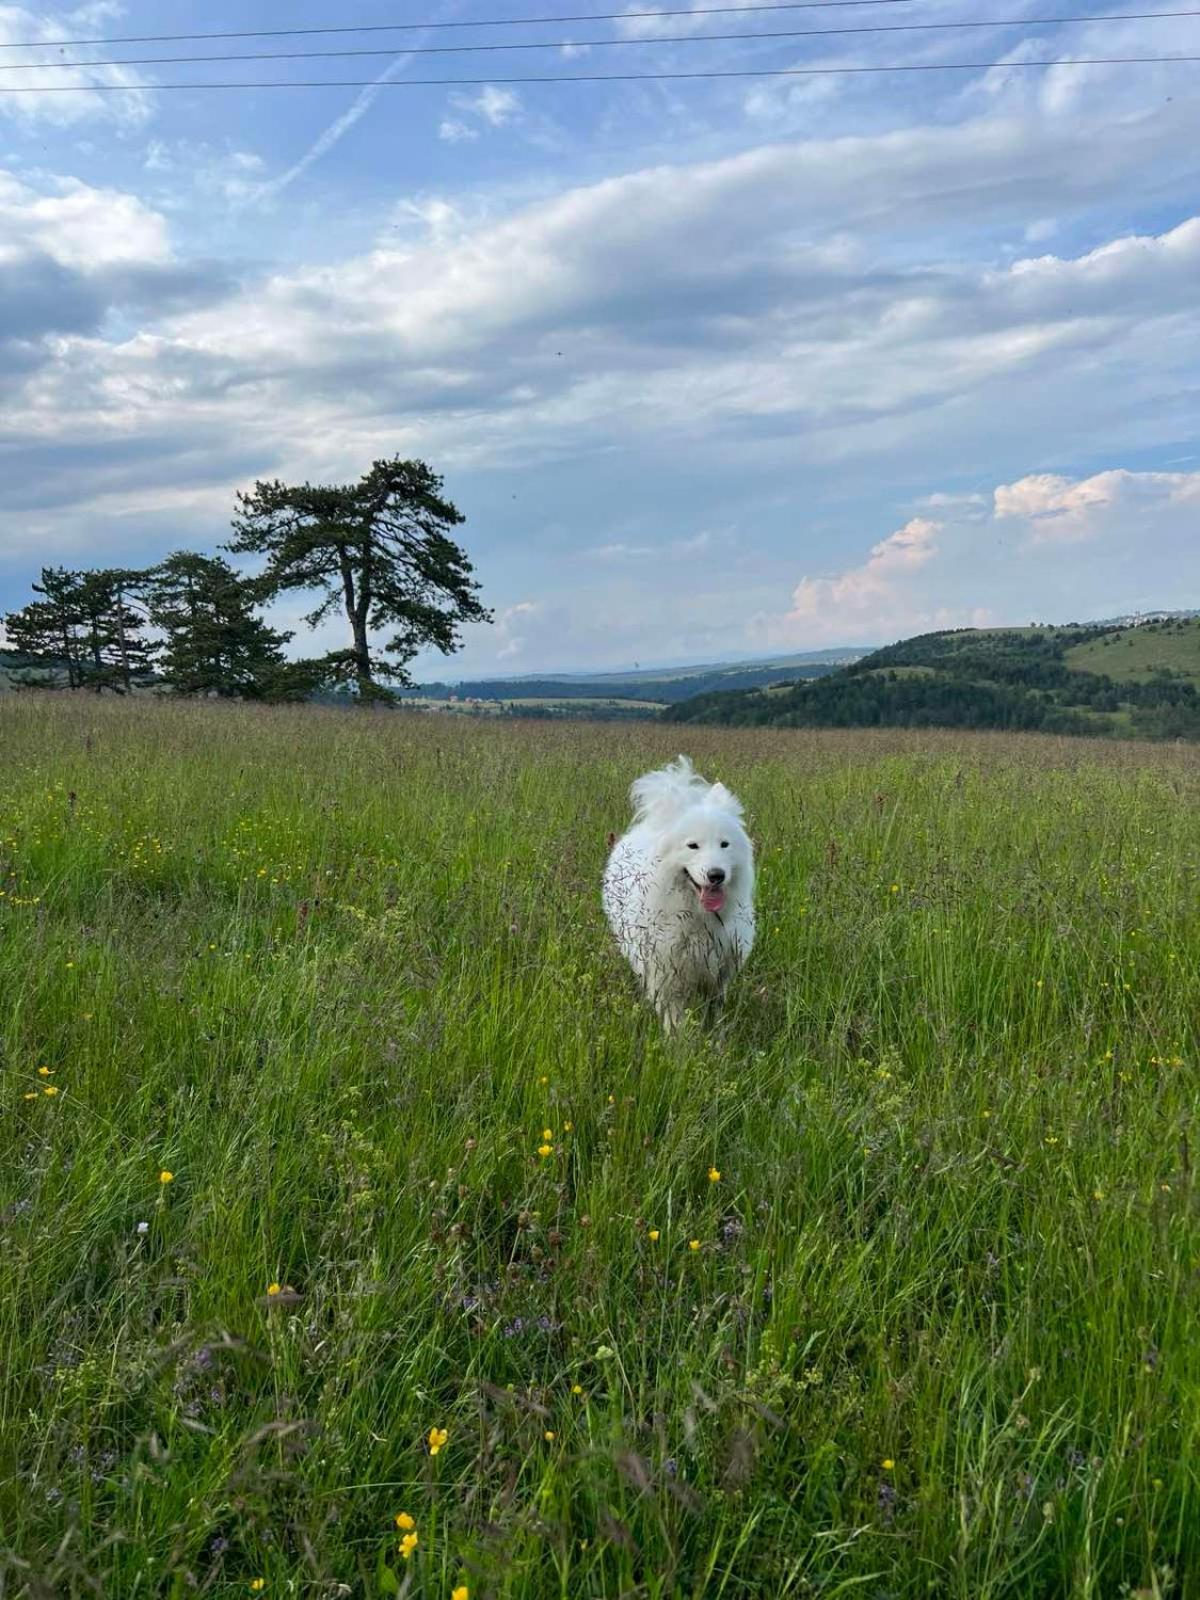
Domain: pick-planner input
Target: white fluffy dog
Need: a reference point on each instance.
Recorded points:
(679, 889)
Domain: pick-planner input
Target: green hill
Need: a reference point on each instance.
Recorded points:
(1099, 679)
(1131, 655)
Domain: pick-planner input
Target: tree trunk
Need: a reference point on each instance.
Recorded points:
(126, 675)
(362, 656)
(356, 616)
(68, 651)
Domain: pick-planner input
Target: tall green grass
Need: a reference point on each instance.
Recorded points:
(931, 1332)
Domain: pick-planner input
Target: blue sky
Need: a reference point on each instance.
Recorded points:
(713, 368)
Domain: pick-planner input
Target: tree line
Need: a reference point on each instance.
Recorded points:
(377, 552)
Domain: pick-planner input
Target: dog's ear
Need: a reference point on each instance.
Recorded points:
(720, 796)
(612, 839)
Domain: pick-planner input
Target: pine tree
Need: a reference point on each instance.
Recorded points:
(379, 551)
(51, 626)
(213, 643)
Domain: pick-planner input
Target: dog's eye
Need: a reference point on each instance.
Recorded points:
(724, 844)
(692, 846)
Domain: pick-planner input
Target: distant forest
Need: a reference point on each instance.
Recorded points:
(1017, 680)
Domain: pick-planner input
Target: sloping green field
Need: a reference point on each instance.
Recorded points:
(331, 1118)
(1132, 654)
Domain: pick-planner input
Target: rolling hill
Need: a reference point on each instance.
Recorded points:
(642, 691)
(1141, 681)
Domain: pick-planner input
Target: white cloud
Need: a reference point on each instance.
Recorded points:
(514, 626)
(862, 601)
(620, 551)
(78, 226)
(493, 105)
(455, 132)
(1068, 510)
(965, 505)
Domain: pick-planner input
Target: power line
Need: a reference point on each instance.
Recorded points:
(559, 44)
(485, 22)
(600, 77)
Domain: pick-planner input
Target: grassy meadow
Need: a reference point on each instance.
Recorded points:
(330, 1118)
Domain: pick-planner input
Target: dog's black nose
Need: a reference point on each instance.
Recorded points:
(716, 874)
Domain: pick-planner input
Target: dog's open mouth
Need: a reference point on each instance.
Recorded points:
(710, 895)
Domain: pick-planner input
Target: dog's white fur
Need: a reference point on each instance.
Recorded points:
(685, 830)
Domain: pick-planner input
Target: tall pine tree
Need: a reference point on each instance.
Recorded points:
(377, 550)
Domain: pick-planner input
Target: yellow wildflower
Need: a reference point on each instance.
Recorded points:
(576, 1388)
(567, 1126)
(548, 1435)
(653, 1236)
(545, 1150)
(45, 1072)
(404, 1522)
(437, 1439)
(408, 1544)
(461, 1593)
(166, 1177)
(273, 1288)
(693, 1244)
(547, 1133)
(257, 1585)
(714, 1175)
(32, 1095)
(50, 1089)
(887, 1463)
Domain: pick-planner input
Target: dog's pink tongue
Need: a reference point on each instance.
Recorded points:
(712, 899)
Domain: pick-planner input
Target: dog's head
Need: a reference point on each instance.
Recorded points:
(708, 846)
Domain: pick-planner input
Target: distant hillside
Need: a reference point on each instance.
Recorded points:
(1141, 681)
(653, 687)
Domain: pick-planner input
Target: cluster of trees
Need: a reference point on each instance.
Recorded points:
(377, 551)
(190, 622)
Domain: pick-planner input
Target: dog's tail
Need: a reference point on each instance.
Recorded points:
(666, 790)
